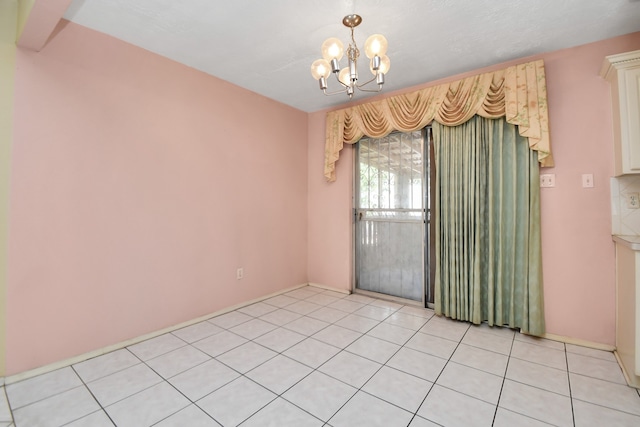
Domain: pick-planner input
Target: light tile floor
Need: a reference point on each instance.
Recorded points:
(313, 357)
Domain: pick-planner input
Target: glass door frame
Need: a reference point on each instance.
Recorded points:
(427, 247)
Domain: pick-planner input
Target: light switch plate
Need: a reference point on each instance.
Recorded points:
(548, 180)
(587, 180)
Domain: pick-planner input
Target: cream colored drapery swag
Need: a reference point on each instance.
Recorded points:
(518, 93)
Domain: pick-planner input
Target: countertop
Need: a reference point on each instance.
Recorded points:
(632, 242)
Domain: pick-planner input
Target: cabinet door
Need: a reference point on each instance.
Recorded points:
(623, 72)
(632, 80)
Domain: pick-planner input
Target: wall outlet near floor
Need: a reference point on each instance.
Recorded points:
(548, 180)
(240, 273)
(633, 200)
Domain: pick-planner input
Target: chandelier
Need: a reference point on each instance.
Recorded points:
(375, 49)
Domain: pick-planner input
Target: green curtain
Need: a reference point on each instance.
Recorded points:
(487, 225)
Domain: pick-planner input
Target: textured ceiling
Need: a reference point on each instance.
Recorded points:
(267, 46)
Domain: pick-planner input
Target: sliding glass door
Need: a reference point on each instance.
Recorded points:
(391, 215)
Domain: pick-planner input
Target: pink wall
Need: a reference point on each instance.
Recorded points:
(329, 221)
(578, 254)
(138, 185)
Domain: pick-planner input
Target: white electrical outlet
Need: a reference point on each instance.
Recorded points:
(548, 180)
(240, 273)
(633, 200)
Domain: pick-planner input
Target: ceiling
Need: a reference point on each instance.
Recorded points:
(267, 46)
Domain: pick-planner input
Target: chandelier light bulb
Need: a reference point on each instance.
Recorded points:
(345, 77)
(332, 48)
(375, 45)
(320, 68)
(385, 64)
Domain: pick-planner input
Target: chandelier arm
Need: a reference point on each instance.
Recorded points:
(335, 92)
(370, 90)
(360, 86)
(339, 81)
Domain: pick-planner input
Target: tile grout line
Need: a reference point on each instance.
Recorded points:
(111, 373)
(6, 396)
(573, 414)
(147, 388)
(504, 379)
(94, 398)
(400, 347)
(438, 377)
(509, 357)
(340, 351)
(44, 398)
(344, 350)
(243, 375)
(607, 407)
(568, 372)
(536, 387)
(280, 395)
(415, 332)
(141, 362)
(503, 376)
(166, 380)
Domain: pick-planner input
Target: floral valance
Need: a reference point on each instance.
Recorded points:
(518, 93)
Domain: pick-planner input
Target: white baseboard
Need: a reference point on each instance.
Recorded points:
(95, 353)
(553, 337)
(329, 288)
(632, 380)
(580, 342)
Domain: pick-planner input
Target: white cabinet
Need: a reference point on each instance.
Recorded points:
(623, 72)
(628, 306)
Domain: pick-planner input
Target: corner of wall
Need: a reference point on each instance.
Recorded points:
(8, 27)
(23, 11)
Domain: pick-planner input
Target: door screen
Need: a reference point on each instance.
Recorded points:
(390, 215)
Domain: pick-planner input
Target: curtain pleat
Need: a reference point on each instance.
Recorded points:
(517, 93)
(487, 218)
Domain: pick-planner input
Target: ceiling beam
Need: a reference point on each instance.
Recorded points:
(36, 21)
